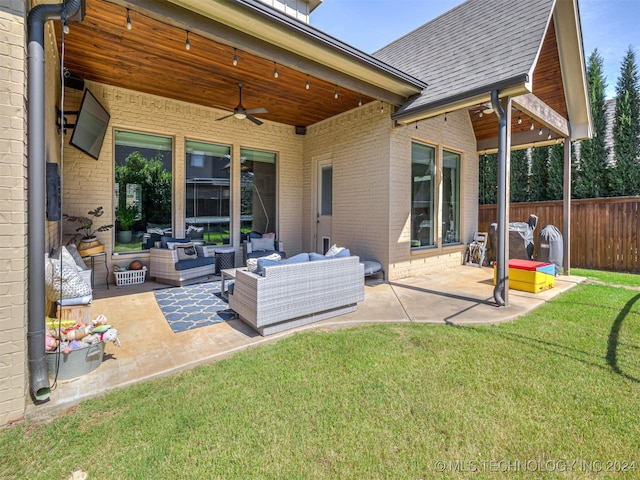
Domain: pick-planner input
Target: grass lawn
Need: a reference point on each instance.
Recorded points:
(559, 386)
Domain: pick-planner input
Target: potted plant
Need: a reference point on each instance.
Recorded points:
(126, 216)
(86, 232)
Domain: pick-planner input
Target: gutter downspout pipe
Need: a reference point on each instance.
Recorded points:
(501, 283)
(38, 16)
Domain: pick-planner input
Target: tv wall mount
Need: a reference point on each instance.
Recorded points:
(65, 124)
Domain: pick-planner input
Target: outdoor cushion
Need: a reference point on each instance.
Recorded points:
(263, 262)
(371, 267)
(262, 244)
(343, 253)
(195, 262)
(313, 256)
(254, 235)
(164, 240)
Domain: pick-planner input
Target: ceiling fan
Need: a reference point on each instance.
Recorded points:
(241, 113)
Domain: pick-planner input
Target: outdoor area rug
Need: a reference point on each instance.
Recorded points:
(193, 306)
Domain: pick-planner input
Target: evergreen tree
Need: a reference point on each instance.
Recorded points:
(519, 176)
(593, 153)
(539, 174)
(488, 176)
(555, 179)
(626, 130)
(577, 186)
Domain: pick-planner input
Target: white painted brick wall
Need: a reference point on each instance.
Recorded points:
(13, 226)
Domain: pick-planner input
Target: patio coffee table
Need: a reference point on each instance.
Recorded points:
(226, 275)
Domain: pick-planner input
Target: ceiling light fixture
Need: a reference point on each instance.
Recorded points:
(549, 136)
(275, 70)
(129, 26)
(65, 26)
(307, 85)
(531, 127)
(519, 119)
(540, 132)
(381, 107)
(335, 93)
(481, 114)
(359, 100)
(235, 57)
(187, 44)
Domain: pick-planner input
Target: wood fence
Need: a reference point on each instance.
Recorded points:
(605, 232)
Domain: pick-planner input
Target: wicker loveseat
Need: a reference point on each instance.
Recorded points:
(289, 295)
(166, 266)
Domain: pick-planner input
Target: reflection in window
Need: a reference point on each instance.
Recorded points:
(422, 195)
(142, 188)
(208, 192)
(258, 181)
(450, 198)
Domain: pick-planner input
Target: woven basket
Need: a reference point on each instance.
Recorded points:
(90, 248)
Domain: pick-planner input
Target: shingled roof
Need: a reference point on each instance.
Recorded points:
(472, 49)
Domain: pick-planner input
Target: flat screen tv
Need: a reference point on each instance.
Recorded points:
(91, 126)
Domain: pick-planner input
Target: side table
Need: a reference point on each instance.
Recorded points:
(225, 276)
(92, 258)
(225, 258)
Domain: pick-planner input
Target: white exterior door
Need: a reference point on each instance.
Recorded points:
(324, 206)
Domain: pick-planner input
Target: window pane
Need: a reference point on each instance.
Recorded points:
(258, 181)
(326, 204)
(142, 188)
(208, 192)
(422, 195)
(451, 198)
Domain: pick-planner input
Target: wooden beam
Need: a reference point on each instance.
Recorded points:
(519, 141)
(532, 106)
(566, 208)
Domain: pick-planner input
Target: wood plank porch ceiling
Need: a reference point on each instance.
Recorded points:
(152, 58)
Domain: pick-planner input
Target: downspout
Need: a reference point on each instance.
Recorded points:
(38, 16)
(498, 291)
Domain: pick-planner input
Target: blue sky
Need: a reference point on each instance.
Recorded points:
(611, 26)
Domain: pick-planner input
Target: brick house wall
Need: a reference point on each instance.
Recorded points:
(372, 185)
(13, 218)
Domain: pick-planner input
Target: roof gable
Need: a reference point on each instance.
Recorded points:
(471, 48)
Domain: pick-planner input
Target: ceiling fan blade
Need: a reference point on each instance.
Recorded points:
(254, 120)
(257, 110)
(222, 118)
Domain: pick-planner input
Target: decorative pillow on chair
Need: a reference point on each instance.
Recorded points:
(262, 244)
(186, 251)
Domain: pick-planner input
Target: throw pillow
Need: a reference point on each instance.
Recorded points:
(269, 235)
(186, 251)
(73, 250)
(262, 244)
(68, 259)
(252, 263)
(333, 251)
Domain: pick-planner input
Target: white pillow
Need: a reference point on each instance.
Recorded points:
(186, 251)
(262, 244)
(333, 251)
(252, 263)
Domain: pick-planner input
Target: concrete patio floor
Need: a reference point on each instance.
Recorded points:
(150, 349)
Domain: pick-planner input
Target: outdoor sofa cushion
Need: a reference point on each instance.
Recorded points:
(195, 262)
(263, 262)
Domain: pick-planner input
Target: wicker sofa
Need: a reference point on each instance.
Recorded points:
(291, 295)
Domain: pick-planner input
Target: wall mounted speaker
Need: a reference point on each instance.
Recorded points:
(301, 130)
